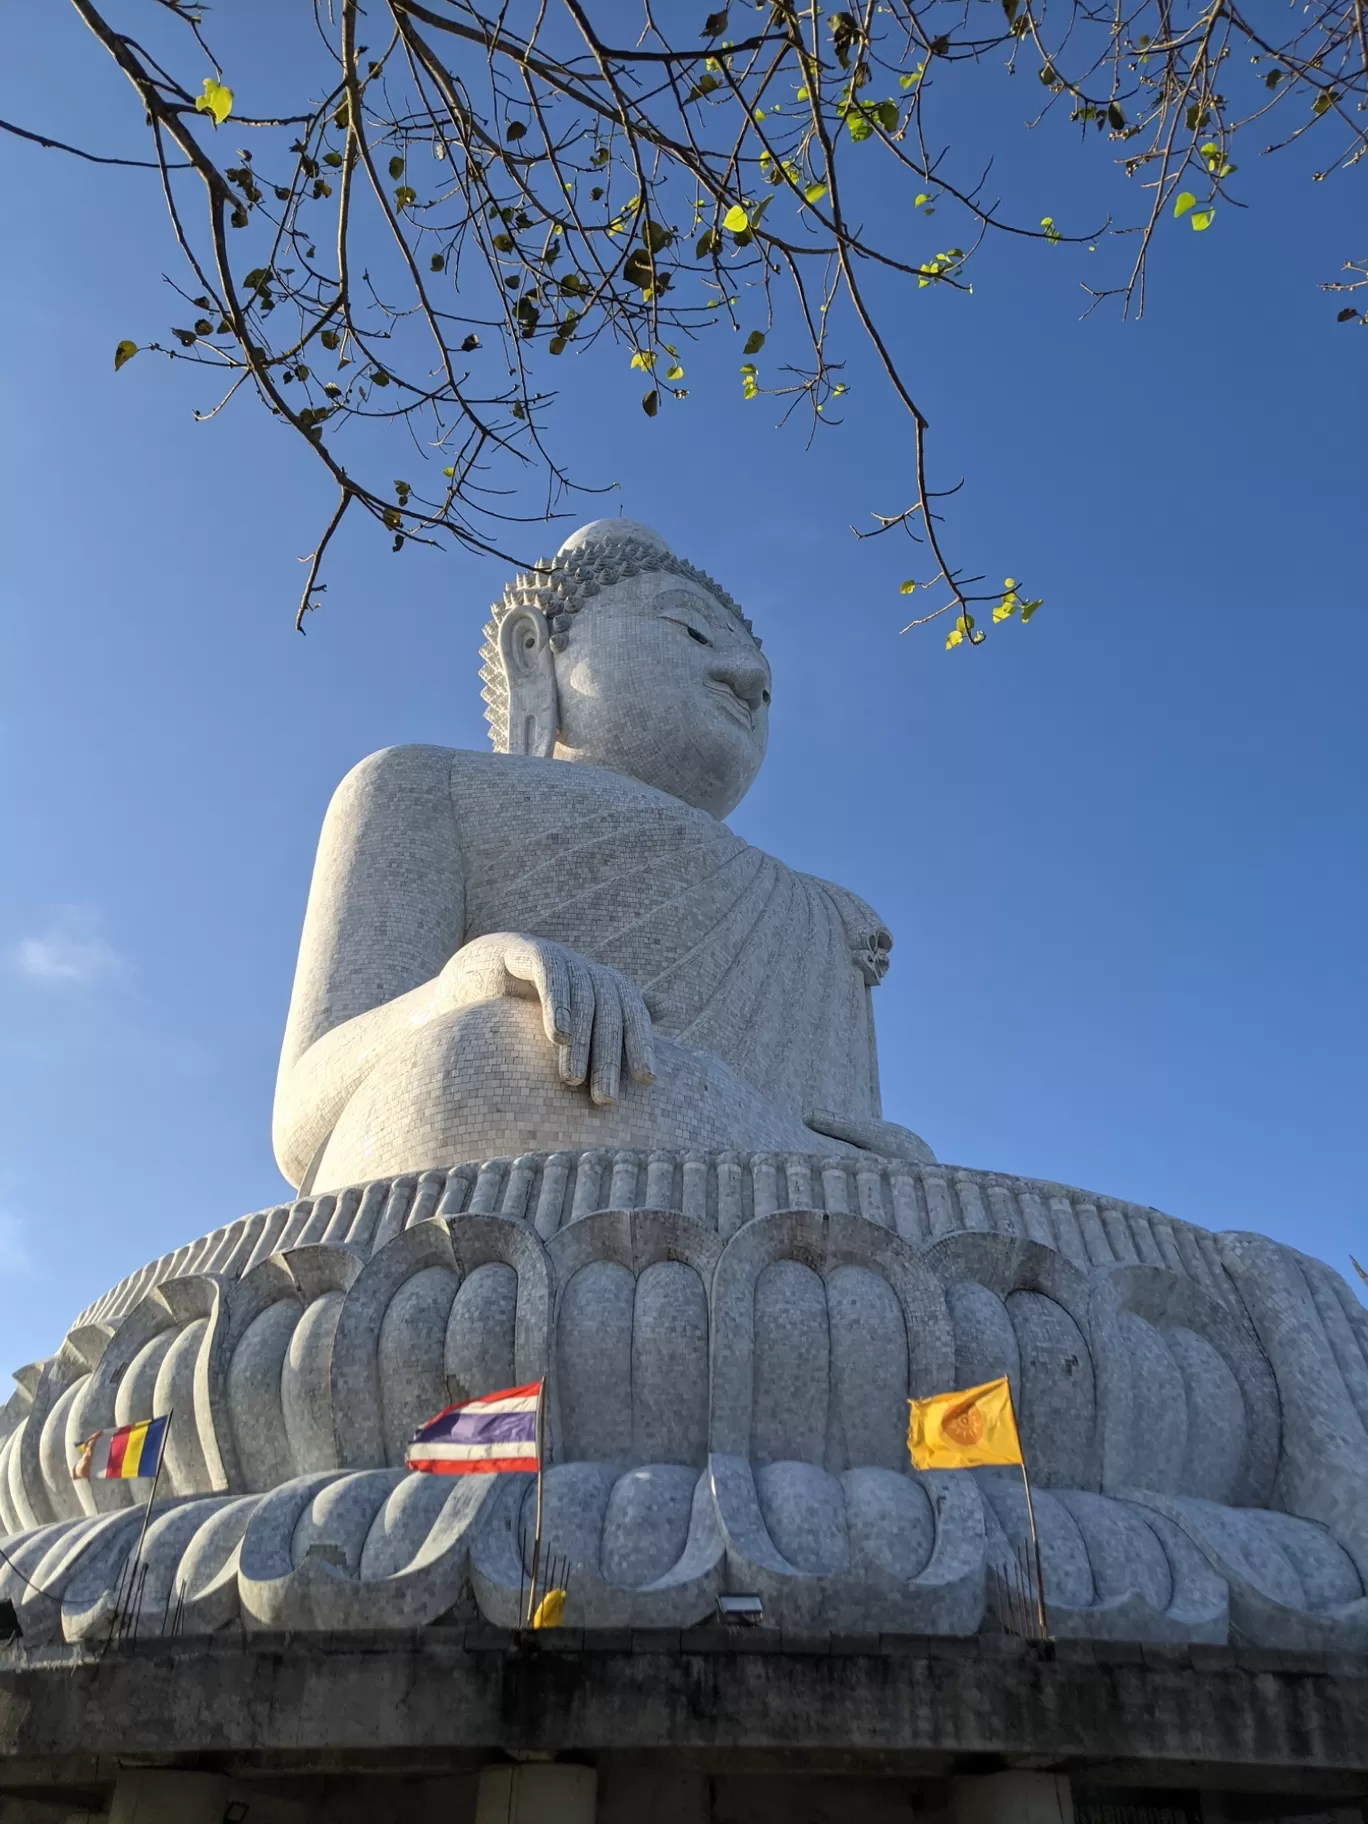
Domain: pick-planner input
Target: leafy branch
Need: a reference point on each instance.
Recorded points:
(484, 190)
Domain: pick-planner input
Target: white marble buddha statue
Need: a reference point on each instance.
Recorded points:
(561, 944)
(561, 1050)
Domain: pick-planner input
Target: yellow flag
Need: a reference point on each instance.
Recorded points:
(550, 1611)
(965, 1430)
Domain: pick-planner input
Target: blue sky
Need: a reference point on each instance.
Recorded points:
(1122, 851)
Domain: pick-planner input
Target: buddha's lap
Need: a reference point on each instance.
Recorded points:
(484, 1081)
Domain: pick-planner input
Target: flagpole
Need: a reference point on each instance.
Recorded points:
(1035, 1552)
(147, 1511)
(537, 1536)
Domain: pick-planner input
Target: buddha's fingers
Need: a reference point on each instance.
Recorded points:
(605, 1069)
(546, 966)
(638, 1040)
(574, 1054)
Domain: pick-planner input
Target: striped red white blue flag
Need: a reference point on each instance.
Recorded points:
(488, 1436)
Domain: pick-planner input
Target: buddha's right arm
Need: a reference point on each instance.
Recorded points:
(383, 951)
(386, 912)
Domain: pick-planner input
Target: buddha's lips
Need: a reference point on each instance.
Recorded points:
(735, 705)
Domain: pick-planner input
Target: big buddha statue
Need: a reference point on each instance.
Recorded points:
(561, 944)
(578, 1084)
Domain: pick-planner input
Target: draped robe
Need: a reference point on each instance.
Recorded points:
(738, 956)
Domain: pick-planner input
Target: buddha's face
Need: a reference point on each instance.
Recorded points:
(660, 682)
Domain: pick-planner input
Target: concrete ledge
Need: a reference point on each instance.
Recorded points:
(893, 1702)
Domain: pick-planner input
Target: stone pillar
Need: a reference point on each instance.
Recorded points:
(1012, 1798)
(146, 1795)
(536, 1792)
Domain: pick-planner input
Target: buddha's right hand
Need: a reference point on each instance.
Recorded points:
(593, 1015)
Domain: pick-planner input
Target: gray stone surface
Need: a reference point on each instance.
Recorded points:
(882, 1704)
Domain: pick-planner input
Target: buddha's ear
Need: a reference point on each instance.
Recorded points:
(533, 705)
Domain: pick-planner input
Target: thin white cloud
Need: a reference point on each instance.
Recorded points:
(72, 949)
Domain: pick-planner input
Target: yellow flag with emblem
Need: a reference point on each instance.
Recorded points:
(971, 1429)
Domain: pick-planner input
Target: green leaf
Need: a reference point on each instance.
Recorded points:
(1181, 204)
(637, 268)
(126, 351)
(656, 236)
(396, 168)
(1346, 315)
(814, 193)
(515, 129)
(405, 195)
(755, 341)
(953, 639)
(470, 342)
(216, 101)
(437, 262)
(556, 346)
(749, 386)
(1029, 608)
(644, 358)
(1115, 117)
(736, 221)
(858, 128)
(676, 372)
(650, 404)
(1203, 218)
(906, 588)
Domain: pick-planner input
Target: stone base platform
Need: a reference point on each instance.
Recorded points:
(729, 1353)
(711, 1726)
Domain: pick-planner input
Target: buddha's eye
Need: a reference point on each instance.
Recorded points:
(764, 696)
(694, 634)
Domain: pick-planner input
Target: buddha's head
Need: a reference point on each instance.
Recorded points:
(619, 654)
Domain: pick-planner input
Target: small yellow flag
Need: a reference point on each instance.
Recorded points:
(966, 1430)
(550, 1611)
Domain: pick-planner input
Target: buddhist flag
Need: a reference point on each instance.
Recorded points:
(488, 1436)
(128, 1450)
(966, 1430)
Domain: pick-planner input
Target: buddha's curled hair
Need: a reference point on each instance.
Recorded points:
(558, 588)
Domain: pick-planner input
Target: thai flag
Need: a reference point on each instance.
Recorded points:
(487, 1436)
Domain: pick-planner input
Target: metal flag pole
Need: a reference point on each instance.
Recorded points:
(147, 1511)
(537, 1535)
(1035, 1552)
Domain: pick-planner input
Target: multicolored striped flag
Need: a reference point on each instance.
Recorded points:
(127, 1451)
(488, 1436)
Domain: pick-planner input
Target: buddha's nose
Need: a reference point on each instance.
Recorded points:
(747, 677)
